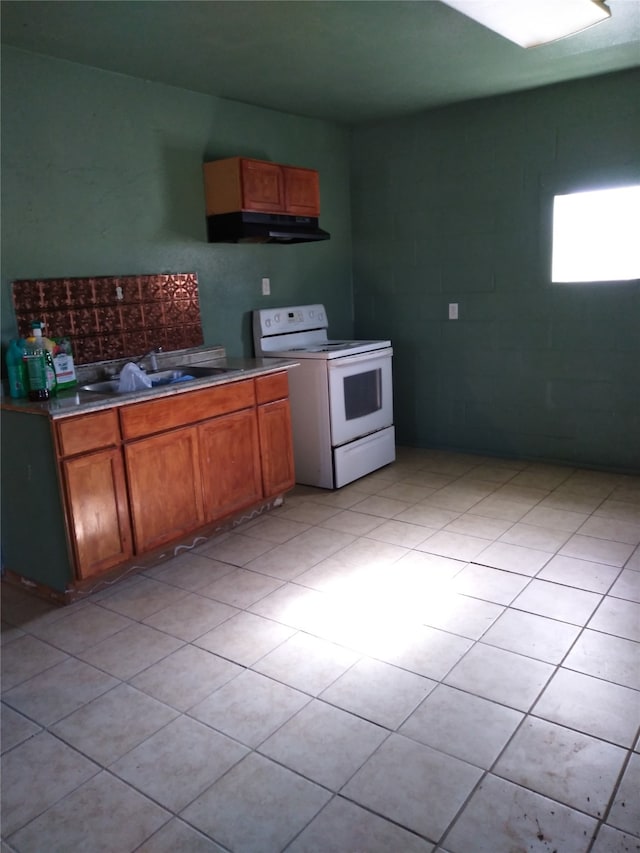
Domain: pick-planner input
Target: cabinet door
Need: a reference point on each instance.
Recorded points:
(262, 186)
(278, 473)
(230, 460)
(165, 489)
(301, 191)
(97, 510)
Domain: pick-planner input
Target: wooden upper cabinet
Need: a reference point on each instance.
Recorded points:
(301, 191)
(240, 183)
(262, 186)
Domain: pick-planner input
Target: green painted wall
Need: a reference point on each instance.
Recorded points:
(454, 205)
(102, 175)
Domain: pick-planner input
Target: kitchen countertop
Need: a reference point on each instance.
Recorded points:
(72, 401)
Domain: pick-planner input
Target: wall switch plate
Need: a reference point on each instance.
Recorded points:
(266, 287)
(453, 310)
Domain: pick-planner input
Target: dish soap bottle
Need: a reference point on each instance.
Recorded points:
(40, 369)
(16, 369)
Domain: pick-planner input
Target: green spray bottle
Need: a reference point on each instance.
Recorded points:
(40, 370)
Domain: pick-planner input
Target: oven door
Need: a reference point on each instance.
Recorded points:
(360, 395)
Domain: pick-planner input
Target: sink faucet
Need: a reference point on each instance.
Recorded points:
(151, 355)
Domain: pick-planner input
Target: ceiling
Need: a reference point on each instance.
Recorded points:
(349, 61)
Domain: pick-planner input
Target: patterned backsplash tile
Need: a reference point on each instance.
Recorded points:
(112, 317)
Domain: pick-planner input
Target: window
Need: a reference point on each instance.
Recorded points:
(596, 235)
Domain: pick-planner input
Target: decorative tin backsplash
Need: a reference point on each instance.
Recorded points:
(112, 317)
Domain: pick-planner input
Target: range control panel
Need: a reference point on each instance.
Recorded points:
(294, 318)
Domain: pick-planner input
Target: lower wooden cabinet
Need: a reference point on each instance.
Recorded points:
(276, 441)
(151, 473)
(98, 511)
(276, 447)
(230, 463)
(165, 495)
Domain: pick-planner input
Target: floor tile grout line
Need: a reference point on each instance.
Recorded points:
(616, 788)
(99, 769)
(340, 796)
(531, 715)
(602, 820)
(572, 728)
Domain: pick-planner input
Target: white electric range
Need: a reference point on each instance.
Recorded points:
(341, 395)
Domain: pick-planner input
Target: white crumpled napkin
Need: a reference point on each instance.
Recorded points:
(132, 378)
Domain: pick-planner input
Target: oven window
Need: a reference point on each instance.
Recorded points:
(362, 394)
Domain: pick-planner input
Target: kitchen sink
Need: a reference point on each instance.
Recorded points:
(186, 372)
(108, 386)
(168, 376)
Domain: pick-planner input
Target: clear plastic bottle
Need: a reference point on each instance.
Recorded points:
(52, 381)
(16, 370)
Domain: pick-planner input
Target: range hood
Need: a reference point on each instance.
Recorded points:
(249, 227)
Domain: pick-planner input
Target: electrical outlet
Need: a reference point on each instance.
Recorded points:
(453, 310)
(266, 287)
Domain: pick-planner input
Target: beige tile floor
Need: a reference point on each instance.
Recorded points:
(442, 656)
